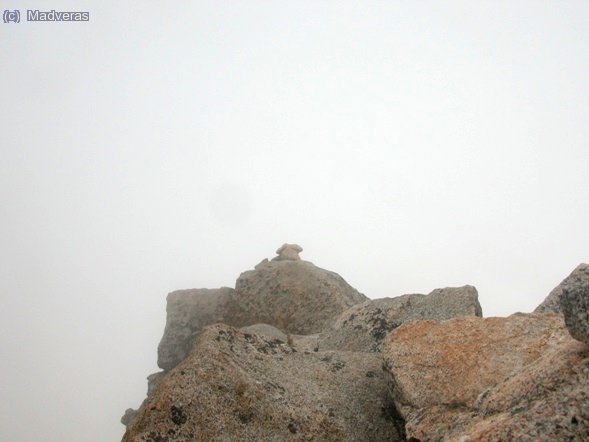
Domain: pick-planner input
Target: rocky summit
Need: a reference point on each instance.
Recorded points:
(294, 353)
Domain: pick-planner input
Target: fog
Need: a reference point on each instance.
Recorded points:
(405, 145)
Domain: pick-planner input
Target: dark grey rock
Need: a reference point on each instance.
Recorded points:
(153, 380)
(551, 303)
(188, 312)
(574, 304)
(364, 326)
(129, 416)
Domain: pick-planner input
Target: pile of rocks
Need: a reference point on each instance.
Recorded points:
(296, 353)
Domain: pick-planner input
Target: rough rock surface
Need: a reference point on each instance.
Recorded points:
(574, 303)
(552, 302)
(305, 364)
(188, 312)
(493, 379)
(241, 386)
(294, 296)
(364, 326)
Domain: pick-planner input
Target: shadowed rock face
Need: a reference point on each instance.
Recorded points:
(246, 387)
(364, 326)
(188, 312)
(552, 302)
(574, 304)
(516, 378)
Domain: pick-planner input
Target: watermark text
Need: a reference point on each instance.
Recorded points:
(14, 16)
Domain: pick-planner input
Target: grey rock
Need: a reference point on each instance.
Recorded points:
(574, 304)
(288, 252)
(129, 416)
(290, 295)
(295, 296)
(364, 326)
(265, 330)
(551, 303)
(153, 380)
(188, 312)
(240, 386)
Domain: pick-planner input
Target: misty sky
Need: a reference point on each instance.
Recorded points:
(405, 145)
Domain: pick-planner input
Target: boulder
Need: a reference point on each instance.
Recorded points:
(129, 416)
(364, 326)
(551, 303)
(188, 312)
(468, 379)
(294, 296)
(574, 304)
(248, 387)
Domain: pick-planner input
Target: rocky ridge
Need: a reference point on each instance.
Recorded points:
(364, 326)
(295, 353)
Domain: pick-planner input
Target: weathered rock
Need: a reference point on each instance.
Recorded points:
(188, 312)
(364, 326)
(129, 416)
(241, 386)
(551, 303)
(295, 296)
(574, 303)
(288, 252)
(470, 379)
(265, 330)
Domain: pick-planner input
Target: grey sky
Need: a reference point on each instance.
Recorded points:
(404, 145)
